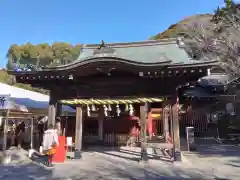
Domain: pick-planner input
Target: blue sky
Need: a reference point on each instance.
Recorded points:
(90, 21)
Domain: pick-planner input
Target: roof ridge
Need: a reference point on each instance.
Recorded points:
(134, 44)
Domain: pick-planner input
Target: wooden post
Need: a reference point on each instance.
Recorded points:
(100, 124)
(52, 108)
(31, 134)
(176, 134)
(58, 109)
(78, 132)
(166, 122)
(5, 130)
(143, 133)
(31, 150)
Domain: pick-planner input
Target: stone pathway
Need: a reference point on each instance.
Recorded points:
(221, 160)
(115, 166)
(97, 166)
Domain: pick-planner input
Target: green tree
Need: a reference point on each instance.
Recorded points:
(228, 4)
(48, 55)
(44, 54)
(14, 54)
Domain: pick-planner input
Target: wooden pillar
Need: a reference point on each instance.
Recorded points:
(31, 133)
(52, 108)
(100, 124)
(176, 134)
(78, 131)
(166, 122)
(143, 132)
(5, 130)
(58, 109)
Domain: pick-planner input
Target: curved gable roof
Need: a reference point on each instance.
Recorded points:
(146, 53)
(151, 53)
(142, 52)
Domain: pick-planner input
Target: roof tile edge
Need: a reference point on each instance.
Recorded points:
(134, 44)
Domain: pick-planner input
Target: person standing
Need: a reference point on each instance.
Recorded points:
(134, 134)
(20, 134)
(50, 143)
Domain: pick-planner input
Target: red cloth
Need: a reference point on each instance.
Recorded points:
(154, 126)
(150, 124)
(60, 154)
(134, 131)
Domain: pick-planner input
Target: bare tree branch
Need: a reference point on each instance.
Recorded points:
(217, 41)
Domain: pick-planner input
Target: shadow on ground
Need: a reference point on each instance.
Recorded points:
(132, 154)
(99, 168)
(209, 147)
(24, 171)
(22, 168)
(101, 172)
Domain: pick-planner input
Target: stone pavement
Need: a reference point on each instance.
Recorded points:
(97, 167)
(114, 166)
(221, 160)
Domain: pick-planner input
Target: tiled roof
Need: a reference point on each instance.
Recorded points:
(153, 51)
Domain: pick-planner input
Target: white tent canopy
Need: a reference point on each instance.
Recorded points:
(32, 100)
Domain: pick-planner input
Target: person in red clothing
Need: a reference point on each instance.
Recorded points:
(134, 133)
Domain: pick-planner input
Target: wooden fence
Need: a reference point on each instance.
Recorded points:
(196, 119)
(193, 118)
(109, 139)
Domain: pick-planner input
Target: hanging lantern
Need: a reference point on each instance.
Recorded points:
(131, 110)
(118, 110)
(105, 110)
(88, 110)
(126, 108)
(93, 107)
(109, 107)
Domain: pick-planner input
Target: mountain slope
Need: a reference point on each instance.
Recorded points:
(176, 29)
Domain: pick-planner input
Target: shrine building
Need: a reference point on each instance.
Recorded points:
(111, 83)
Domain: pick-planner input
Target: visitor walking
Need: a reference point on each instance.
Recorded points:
(50, 143)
